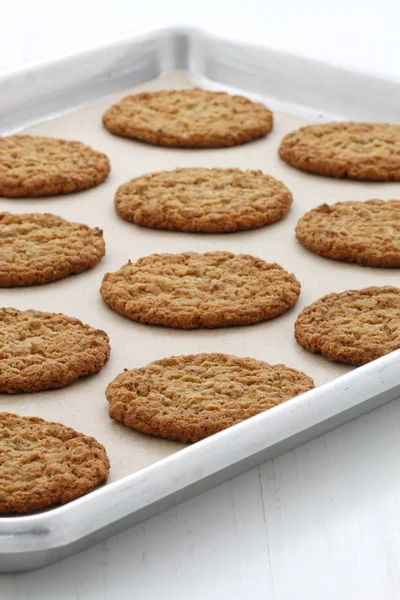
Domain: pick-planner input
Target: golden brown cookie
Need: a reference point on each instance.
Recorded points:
(42, 166)
(44, 463)
(203, 200)
(189, 119)
(191, 291)
(368, 151)
(188, 398)
(353, 327)
(41, 351)
(40, 248)
(367, 233)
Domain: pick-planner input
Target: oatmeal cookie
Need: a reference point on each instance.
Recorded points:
(38, 248)
(352, 327)
(44, 463)
(191, 290)
(188, 398)
(203, 200)
(41, 166)
(41, 351)
(189, 119)
(366, 151)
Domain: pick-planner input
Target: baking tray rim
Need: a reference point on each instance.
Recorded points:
(207, 57)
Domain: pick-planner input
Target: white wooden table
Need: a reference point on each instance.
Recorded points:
(321, 522)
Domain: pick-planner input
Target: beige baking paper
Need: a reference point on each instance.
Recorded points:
(82, 405)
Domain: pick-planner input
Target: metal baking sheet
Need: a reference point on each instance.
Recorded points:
(149, 474)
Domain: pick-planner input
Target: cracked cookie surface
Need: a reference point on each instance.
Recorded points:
(189, 118)
(191, 290)
(38, 248)
(188, 398)
(367, 233)
(41, 351)
(44, 463)
(40, 166)
(366, 151)
(203, 200)
(352, 327)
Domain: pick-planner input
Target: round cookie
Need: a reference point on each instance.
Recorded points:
(203, 200)
(191, 291)
(367, 151)
(44, 463)
(189, 119)
(188, 398)
(41, 166)
(353, 327)
(367, 233)
(41, 351)
(39, 248)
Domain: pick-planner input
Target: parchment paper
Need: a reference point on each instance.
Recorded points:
(82, 405)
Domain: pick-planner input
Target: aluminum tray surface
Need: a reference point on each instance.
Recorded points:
(27, 542)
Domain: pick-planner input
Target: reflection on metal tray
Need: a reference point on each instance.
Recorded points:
(66, 99)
